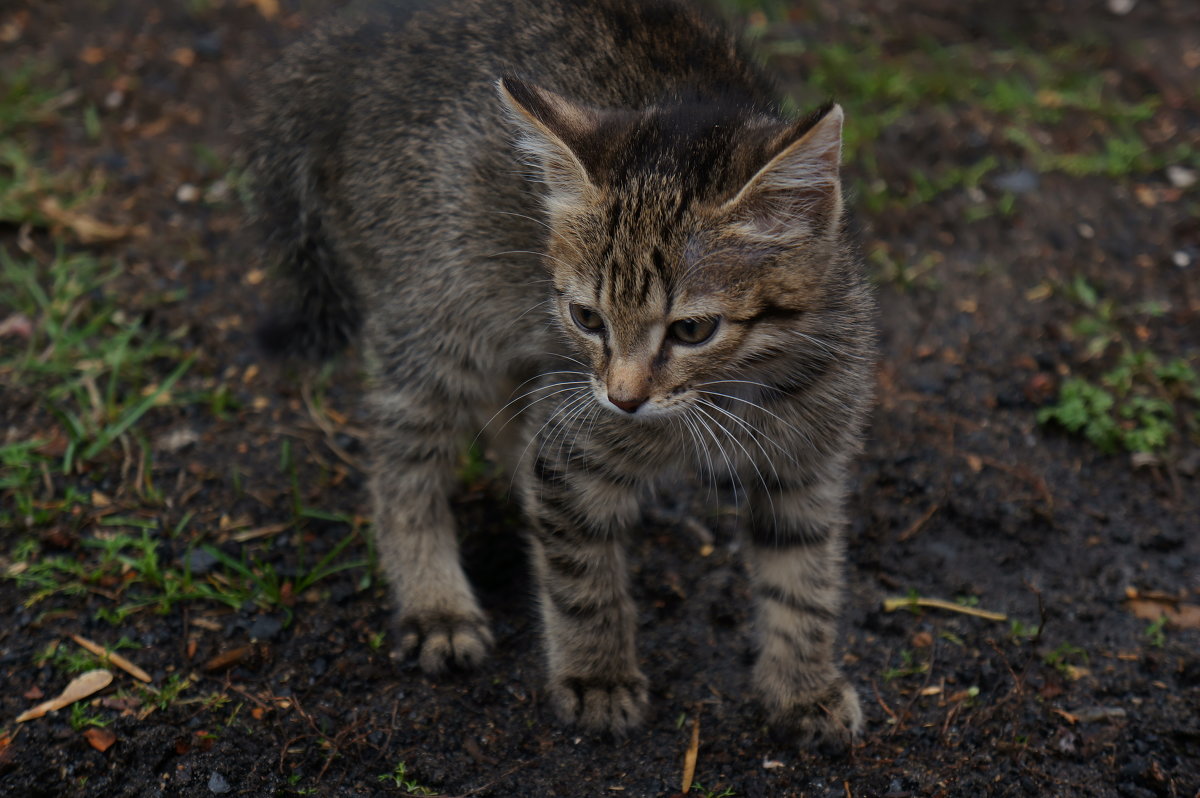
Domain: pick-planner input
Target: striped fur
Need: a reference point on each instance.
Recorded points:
(530, 210)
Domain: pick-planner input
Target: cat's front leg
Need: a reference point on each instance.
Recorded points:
(579, 521)
(438, 619)
(795, 556)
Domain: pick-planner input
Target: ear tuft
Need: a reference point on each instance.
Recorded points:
(552, 132)
(798, 194)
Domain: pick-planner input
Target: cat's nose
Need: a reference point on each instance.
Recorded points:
(628, 405)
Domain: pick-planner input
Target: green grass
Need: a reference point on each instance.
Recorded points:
(1024, 96)
(399, 778)
(1141, 402)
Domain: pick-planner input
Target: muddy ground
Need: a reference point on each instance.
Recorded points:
(1008, 263)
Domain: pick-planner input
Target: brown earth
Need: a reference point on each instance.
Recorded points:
(961, 494)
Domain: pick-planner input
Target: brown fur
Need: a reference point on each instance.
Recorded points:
(466, 188)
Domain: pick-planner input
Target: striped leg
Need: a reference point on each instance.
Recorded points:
(583, 587)
(795, 558)
(415, 450)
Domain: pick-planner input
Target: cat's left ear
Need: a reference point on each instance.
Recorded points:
(556, 134)
(798, 194)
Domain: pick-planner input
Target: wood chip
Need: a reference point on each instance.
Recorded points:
(82, 686)
(690, 756)
(100, 739)
(227, 658)
(114, 658)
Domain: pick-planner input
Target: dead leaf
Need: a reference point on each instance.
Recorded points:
(17, 325)
(1179, 616)
(82, 686)
(88, 229)
(689, 757)
(100, 739)
(268, 8)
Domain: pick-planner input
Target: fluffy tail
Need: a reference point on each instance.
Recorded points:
(290, 137)
(323, 315)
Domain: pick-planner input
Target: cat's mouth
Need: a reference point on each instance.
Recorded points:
(641, 408)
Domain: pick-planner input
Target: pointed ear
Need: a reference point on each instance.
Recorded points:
(798, 194)
(553, 133)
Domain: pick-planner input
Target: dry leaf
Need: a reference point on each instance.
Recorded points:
(689, 757)
(268, 8)
(82, 686)
(88, 229)
(17, 325)
(1179, 616)
(100, 739)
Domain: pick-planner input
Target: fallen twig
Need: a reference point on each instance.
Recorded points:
(113, 657)
(893, 604)
(916, 526)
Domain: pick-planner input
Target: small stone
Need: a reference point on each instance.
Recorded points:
(187, 193)
(1021, 181)
(1121, 7)
(200, 562)
(113, 99)
(1181, 176)
(1181, 259)
(264, 627)
(1085, 230)
(217, 784)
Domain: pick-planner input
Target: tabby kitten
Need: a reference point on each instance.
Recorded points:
(595, 213)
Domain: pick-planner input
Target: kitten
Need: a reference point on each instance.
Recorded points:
(593, 212)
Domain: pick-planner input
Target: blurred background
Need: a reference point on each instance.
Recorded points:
(1024, 563)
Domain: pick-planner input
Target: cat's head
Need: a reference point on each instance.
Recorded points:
(687, 243)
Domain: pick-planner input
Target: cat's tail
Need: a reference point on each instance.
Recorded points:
(323, 315)
(289, 138)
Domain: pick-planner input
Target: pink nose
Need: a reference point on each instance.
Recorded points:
(628, 405)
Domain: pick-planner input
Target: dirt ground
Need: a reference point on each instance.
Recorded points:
(1025, 179)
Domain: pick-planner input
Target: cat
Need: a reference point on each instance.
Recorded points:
(588, 222)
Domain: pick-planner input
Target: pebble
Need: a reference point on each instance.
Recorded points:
(200, 562)
(264, 627)
(187, 193)
(1181, 259)
(217, 784)
(1021, 181)
(1181, 176)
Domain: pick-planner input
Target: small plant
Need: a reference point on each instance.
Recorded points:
(399, 778)
(163, 697)
(909, 666)
(1156, 633)
(81, 718)
(1064, 658)
(1135, 405)
(1020, 631)
(66, 659)
(707, 793)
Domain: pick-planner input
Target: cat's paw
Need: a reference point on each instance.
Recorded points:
(441, 641)
(613, 705)
(828, 721)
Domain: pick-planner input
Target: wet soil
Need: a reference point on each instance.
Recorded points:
(960, 494)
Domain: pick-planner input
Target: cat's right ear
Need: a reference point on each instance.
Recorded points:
(554, 136)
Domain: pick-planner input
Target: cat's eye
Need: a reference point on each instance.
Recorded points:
(694, 331)
(587, 319)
